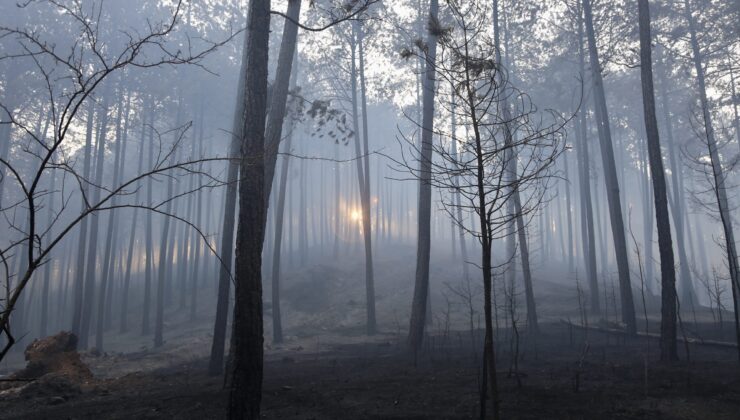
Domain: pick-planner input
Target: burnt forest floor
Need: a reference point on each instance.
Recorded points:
(567, 373)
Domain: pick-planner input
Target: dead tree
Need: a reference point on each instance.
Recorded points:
(480, 171)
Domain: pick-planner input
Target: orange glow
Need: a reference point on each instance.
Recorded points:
(355, 215)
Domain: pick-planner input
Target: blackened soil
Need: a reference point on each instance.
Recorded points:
(564, 374)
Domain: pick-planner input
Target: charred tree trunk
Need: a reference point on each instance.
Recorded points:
(610, 177)
(421, 285)
(668, 350)
(245, 375)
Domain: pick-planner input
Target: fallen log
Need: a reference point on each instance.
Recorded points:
(617, 331)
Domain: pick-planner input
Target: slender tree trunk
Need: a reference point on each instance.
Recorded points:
(216, 361)
(279, 96)
(165, 249)
(677, 203)
(486, 252)
(5, 137)
(455, 181)
(569, 214)
(587, 214)
(337, 204)
(733, 92)
(132, 237)
(44, 320)
(365, 193)
(79, 274)
(720, 190)
(198, 244)
(668, 350)
(277, 325)
(111, 233)
(92, 257)
(512, 180)
(302, 212)
(648, 214)
(610, 177)
(108, 314)
(421, 285)
(185, 247)
(149, 241)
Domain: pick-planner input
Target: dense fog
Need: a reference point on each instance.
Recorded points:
(217, 185)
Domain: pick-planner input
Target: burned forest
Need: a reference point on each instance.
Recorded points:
(369, 209)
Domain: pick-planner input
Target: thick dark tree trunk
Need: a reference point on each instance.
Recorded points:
(668, 350)
(247, 338)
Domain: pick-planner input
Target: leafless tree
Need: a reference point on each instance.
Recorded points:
(70, 76)
(480, 171)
